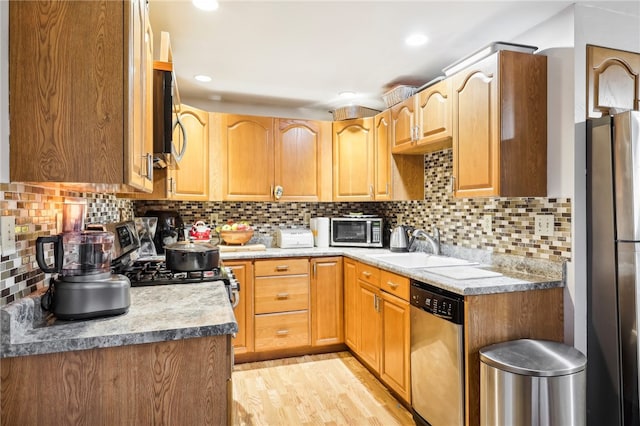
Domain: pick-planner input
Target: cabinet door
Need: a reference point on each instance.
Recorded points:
(327, 326)
(613, 80)
(433, 114)
(189, 179)
(247, 158)
(300, 150)
(351, 311)
(382, 130)
(138, 166)
(353, 160)
(67, 112)
(243, 341)
(476, 137)
(403, 124)
(370, 325)
(396, 341)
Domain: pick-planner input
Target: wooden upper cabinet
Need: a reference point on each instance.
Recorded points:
(613, 80)
(262, 153)
(303, 159)
(189, 178)
(80, 117)
(353, 160)
(382, 130)
(247, 158)
(422, 123)
(433, 117)
(500, 127)
(403, 124)
(397, 177)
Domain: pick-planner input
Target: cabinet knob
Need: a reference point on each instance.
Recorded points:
(366, 273)
(282, 332)
(282, 295)
(392, 284)
(282, 267)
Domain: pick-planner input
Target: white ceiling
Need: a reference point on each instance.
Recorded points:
(298, 55)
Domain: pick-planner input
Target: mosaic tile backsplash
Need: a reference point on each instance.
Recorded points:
(458, 219)
(36, 211)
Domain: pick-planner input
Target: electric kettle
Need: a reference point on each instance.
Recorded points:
(400, 238)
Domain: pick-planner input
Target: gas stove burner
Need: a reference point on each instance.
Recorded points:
(149, 272)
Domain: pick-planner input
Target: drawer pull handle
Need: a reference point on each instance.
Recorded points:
(366, 273)
(282, 332)
(392, 284)
(282, 295)
(282, 267)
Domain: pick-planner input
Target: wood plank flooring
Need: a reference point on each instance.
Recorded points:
(327, 389)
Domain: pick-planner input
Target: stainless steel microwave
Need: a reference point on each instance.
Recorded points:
(356, 231)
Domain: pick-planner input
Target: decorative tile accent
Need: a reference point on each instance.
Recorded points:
(35, 209)
(458, 219)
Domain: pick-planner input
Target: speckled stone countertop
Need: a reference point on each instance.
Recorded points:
(156, 314)
(517, 274)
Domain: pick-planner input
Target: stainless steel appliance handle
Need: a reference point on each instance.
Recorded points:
(178, 155)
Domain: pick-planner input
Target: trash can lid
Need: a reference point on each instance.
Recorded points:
(534, 357)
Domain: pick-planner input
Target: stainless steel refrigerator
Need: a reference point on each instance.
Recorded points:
(613, 287)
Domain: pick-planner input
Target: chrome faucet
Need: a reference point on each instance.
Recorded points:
(434, 241)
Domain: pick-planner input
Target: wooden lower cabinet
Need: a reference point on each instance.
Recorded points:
(351, 315)
(327, 324)
(177, 382)
(281, 304)
(370, 321)
(396, 344)
(243, 270)
(377, 327)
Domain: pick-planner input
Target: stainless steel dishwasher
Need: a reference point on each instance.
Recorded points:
(437, 364)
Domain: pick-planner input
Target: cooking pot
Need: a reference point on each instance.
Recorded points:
(187, 256)
(200, 231)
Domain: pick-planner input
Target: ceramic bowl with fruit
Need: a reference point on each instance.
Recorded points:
(235, 232)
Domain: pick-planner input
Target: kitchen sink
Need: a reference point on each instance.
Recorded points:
(420, 260)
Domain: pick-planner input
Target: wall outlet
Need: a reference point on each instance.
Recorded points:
(544, 225)
(213, 218)
(307, 218)
(8, 235)
(487, 223)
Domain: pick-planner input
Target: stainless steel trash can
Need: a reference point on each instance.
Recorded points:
(532, 382)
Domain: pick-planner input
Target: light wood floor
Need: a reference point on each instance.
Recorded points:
(328, 389)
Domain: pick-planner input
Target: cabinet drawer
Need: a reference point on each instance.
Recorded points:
(394, 284)
(264, 268)
(281, 294)
(280, 331)
(368, 274)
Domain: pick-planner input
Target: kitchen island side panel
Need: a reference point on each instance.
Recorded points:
(175, 382)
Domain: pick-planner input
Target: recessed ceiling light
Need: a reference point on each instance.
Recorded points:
(207, 5)
(216, 98)
(347, 94)
(202, 78)
(416, 40)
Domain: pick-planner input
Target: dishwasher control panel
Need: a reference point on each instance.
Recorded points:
(437, 301)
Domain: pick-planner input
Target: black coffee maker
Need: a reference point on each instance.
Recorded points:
(170, 228)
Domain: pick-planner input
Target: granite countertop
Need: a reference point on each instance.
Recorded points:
(156, 314)
(517, 274)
